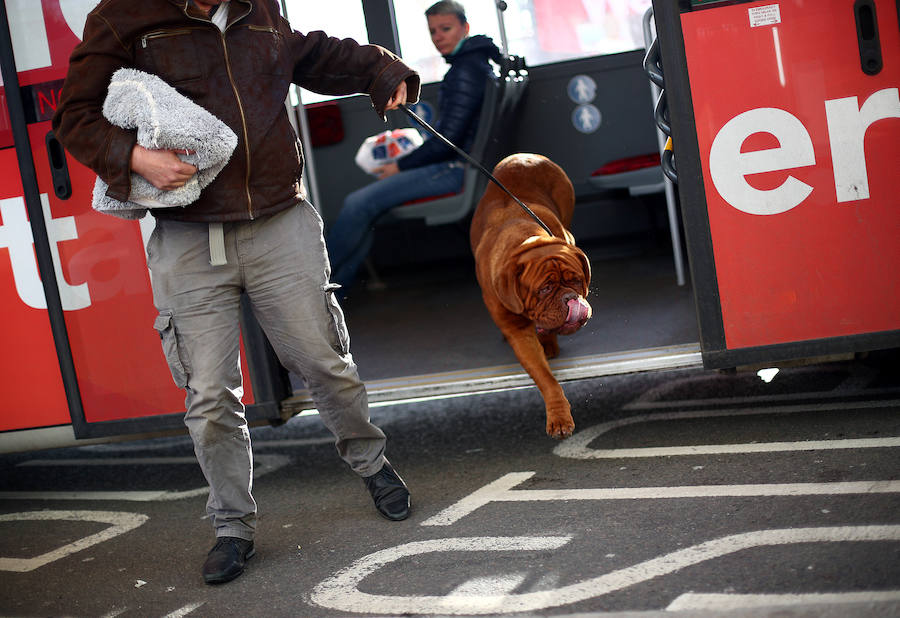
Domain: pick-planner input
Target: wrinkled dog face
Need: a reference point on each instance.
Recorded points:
(553, 288)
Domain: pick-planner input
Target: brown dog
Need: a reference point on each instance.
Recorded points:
(533, 285)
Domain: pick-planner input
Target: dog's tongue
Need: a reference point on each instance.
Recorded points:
(579, 311)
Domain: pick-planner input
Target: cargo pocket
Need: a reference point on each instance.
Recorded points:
(339, 337)
(165, 326)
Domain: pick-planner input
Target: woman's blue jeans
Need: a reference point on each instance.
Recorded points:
(349, 238)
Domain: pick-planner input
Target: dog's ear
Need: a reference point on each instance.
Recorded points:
(586, 268)
(506, 286)
(578, 261)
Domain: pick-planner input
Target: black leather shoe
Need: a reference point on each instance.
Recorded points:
(226, 559)
(389, 492)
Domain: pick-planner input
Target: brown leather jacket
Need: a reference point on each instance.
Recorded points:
(241, 76)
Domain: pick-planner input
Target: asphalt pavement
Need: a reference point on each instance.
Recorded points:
(688, 492)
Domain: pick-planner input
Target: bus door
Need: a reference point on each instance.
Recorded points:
(104, 371)
(785, 120)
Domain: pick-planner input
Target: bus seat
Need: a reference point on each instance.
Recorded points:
(492, 141)
(639, 175)
(326, 127)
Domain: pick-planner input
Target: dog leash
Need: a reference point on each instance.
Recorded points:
(466, 156)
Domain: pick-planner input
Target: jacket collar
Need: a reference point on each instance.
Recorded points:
(192, 11)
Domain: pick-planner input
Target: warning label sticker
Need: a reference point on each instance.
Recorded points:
(768, 15)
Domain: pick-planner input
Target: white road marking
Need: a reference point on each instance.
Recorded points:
(120, 523)
(340, 592)
(497, 585)
(127, 496)
(726, 449)
(263, 464)
(184, 611)
(501, 490)
(577, 447)
(691, 601)
(107, 461)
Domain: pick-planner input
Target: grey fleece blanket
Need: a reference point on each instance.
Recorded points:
(164, 119)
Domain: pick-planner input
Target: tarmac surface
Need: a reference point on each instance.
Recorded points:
(682, 493)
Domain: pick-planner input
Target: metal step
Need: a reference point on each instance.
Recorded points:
(472, 381)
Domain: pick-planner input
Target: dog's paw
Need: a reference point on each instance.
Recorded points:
(560, 427)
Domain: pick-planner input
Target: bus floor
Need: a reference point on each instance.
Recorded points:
(431, 318)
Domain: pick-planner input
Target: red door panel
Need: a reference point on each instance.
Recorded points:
(799, 155)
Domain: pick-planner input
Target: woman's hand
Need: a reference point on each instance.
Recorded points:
(162, 168)
(398, 98)
(386, 170)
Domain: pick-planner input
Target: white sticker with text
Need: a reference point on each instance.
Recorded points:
(768, 15)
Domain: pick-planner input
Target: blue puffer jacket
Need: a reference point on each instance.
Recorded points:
(459, 102)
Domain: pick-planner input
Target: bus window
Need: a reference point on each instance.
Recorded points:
(415, 43)
(546, 31)
(339, 18)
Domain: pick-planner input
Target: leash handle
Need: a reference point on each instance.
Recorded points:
(466, 156)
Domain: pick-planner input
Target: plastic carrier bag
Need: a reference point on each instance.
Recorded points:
(386, 147)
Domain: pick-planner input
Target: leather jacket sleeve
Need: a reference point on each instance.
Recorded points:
(329, 65)
(462, 92)
(79, 123)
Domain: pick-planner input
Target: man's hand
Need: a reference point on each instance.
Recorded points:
(389, 169)
(161, 168)
(398, 98)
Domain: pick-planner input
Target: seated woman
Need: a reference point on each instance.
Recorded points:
(433, 168)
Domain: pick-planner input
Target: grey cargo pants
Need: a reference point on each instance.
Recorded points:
(281, 263)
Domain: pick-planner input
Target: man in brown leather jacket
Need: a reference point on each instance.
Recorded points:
(251, 231)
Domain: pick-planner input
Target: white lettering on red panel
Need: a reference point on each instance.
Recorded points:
(15, 235)
(847, 124)
(29, 32)
(728, 166)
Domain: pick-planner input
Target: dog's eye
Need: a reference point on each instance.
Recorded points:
(545, 290)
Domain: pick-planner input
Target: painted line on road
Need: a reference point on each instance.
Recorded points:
(577, 447)
(728, 449)
(107, 461)
(341, 592)
(692, 601)
(266, 464)
(184, 611)
(125, 496)
(120, 523)
(501, 490)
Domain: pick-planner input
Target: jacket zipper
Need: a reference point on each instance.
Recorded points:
(159, 34)
(269, 29)
(237, 98)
